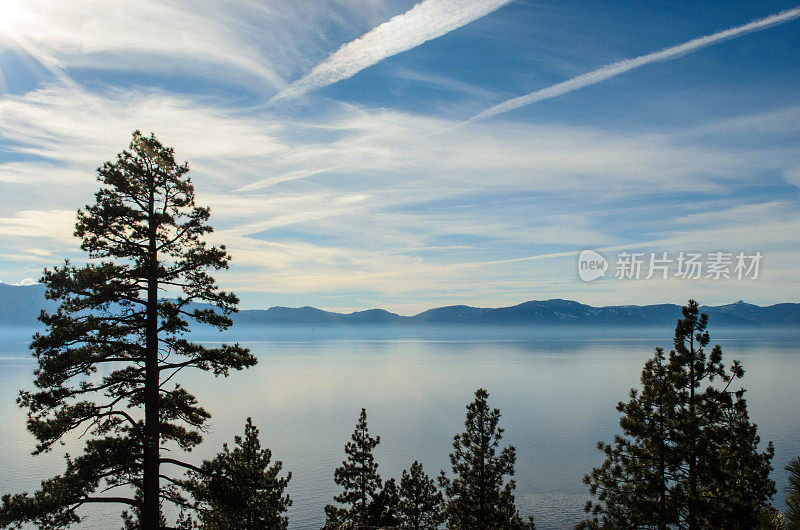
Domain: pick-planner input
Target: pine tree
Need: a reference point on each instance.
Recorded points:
(631, 486)
(741, 486)
(688, 456)
(358, 476)
(481, 494)
(107, 359)
(382, 509)
(718, 463)
(793, 495)
(240, 489)
(695, 414)
(420, 505)
(772, 519)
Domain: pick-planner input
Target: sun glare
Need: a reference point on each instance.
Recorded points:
(12, 14)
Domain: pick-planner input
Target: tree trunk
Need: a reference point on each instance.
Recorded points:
(662, 467)
(692, 524)
(150, 488)
(482, 473)
(363, 516)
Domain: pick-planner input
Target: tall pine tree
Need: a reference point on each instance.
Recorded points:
(358, 476)
(480, 496)
(717, 459)
(688, 456)
(109, 354)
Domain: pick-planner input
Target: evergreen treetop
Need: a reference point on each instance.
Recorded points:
(481, 493)
(240, 487)
(421, 502)
(358, 476)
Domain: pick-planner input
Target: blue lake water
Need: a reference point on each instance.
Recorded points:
(557, 389)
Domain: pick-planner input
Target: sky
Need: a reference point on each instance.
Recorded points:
(407, 155)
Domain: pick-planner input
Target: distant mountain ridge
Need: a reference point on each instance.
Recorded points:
(20, 306)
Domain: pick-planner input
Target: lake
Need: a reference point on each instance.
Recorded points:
(556, 388)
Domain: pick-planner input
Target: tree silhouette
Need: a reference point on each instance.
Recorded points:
(240, 489)
(741, 487)
(358, 476)
(632, 484)
(421, 502)
(108, 360)
(793, 494)
(382, 509)
(481, 494)
(688, 456)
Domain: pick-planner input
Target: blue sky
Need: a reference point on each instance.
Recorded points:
(337, 145)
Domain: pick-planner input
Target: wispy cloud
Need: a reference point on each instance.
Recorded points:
(371, 228)
(425, 21)
(285, 177)
(444, 83)
(338, 204)
(620, 67)
(53, 224)
(226, 41)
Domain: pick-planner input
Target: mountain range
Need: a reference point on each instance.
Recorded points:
(20, 305)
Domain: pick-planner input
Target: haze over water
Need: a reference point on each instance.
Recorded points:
(557, 389)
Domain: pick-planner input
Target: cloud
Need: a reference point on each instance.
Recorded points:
(381, 153)
(341, 205)
(792, 176)
(425, 21)
(74, 126)
(92, 33)
(356, 204)
(52, 224)
(285, 177)
(227, 42)
(620, 67)
(444, 83)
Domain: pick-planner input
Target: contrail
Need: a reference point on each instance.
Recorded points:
(425, 21)
(615, 69)
(285, 177)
